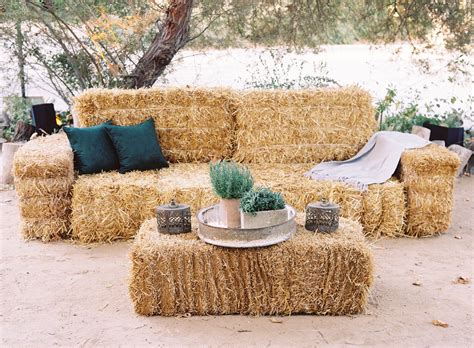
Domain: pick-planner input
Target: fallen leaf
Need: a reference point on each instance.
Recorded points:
(104, 307)
(416, 283)
(457, 237)
(276, 320)
(185, 315)
(437, 322)
(461, 280)
(244, 330)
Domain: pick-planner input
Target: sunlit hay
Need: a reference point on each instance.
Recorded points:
(44, 207)
(326, 274)
(32, 187)
(428, 175)
(299, 190)
(44, 157)
(44, 172)
(111, 206)
(47, 229)
(384, 210)
(308, 126)
(193, 125)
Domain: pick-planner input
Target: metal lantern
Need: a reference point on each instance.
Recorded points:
(322, 216)
(173, 218)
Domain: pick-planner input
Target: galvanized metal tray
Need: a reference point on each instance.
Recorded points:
(212, 231)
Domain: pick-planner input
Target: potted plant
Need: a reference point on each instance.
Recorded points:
(261, 207)
(230, 181)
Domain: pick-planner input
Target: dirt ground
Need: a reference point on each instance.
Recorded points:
(62, 294)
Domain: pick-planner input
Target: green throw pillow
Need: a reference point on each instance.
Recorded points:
(137, 146)
(93, 149)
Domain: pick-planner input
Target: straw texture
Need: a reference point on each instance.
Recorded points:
(111, 206)
(44, 173)
(384, 210)
(279, 134)
(428, 175)
(308, 126)
(311, 273)
(193, 125)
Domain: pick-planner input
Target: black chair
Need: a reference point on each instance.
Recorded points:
(44, 118)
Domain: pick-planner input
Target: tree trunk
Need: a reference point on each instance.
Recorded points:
(23, 131)
(21, 59)
(168, 41)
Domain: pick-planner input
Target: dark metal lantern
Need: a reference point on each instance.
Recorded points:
(322, 216)
(173, 218)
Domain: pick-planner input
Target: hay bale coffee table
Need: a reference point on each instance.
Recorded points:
(310, 273)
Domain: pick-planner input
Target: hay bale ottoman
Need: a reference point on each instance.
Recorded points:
(311, 273)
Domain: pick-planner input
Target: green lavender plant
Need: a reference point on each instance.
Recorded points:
(261, 199)
(230, 180)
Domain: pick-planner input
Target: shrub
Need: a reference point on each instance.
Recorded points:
(17, 109)
(276, 70)
(261, 199)
(230, 180)
(401, 116)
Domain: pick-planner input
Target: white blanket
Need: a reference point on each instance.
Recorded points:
(375, 163)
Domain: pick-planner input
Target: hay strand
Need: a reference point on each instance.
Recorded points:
(428, 175)
(111, 206)
(308, 126)
(44, 174)
(193, 125)
(174, 275)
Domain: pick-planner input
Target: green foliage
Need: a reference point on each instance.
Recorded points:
(310, 23)
(65, 117)
(279, 71)
(17, 109)
(230, 180)
(402, 116)
(261, 199)
(97, 43)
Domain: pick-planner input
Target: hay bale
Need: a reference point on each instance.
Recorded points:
(52, 206)
(47, 230)
(308, 126)
(111, 206)
(174, 275)
(384, 210)
(428, 176)
(193, 125)
(44, 157)
(298, 190)
(33, 187)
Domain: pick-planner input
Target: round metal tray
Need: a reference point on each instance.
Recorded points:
(212, 231)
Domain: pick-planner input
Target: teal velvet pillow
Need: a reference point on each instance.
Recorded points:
(137, 146)
(93, 149)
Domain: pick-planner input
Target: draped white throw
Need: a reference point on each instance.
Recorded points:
(375, 163)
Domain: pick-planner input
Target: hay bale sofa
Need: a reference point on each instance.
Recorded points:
(278, 134)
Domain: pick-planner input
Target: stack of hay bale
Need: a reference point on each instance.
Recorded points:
(428, 175)
(44, 173)
(278, 134)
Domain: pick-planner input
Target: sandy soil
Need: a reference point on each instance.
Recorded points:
(70, 295)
